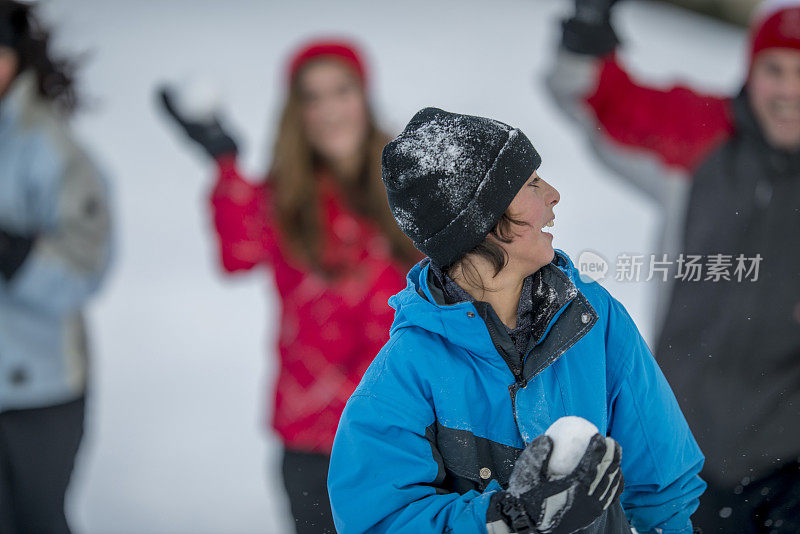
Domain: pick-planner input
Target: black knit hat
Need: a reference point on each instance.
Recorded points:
(449, 178)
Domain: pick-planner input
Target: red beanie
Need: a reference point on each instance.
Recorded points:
(776, 24)
(340, 50)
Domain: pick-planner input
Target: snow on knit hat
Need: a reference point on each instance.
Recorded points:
(775, 24)
(450, 177)
(338, 49)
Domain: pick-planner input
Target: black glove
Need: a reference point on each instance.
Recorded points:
(536, 502)
(14, 248)
(208, 133)
(589, 31)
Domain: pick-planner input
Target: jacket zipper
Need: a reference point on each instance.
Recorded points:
(519, 381)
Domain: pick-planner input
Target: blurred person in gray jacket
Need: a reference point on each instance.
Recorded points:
(54, 250)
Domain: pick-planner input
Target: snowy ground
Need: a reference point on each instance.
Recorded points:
(175, 441)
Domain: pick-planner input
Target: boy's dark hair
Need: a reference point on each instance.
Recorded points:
(490, 249)
(54, 76)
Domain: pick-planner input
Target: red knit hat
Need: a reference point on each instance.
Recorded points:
(776, 24)
(338, 49)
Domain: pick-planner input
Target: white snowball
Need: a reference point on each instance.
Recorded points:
(198, 99)
(570, 435)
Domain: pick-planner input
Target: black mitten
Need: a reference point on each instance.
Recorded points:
(589, 31)
(208, 133)
(14, 248)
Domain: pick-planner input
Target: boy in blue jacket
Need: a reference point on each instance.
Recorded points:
(494, 338)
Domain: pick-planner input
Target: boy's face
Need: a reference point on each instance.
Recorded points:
(532, 248)
(774, 92)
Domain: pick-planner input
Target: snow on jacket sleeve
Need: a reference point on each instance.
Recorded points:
(72, 246)
(645, 134)
(660, 458)
(241, 218)
(382, 466)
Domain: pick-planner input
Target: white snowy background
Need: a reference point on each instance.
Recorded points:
(175, 441)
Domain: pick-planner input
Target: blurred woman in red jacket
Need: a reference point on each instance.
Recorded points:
(321, 222)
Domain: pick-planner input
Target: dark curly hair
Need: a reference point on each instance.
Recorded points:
(55, 77)
(490, 249)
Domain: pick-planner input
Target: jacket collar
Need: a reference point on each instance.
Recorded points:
(555, 278)
(422, 305)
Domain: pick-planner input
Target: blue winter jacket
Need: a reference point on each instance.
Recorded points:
(438, 420)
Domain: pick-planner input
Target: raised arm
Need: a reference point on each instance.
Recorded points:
(645, 134)
(241, 212)
(661, 459)
(240, 209)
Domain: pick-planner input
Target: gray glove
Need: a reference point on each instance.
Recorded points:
(536, 502)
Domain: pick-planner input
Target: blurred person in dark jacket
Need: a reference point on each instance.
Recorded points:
(54, 249)
(320, 222)
(725, 172)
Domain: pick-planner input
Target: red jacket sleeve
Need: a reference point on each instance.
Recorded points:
(242, 220)
(679, 125)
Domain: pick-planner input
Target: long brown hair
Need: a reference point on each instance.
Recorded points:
(294, 175)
